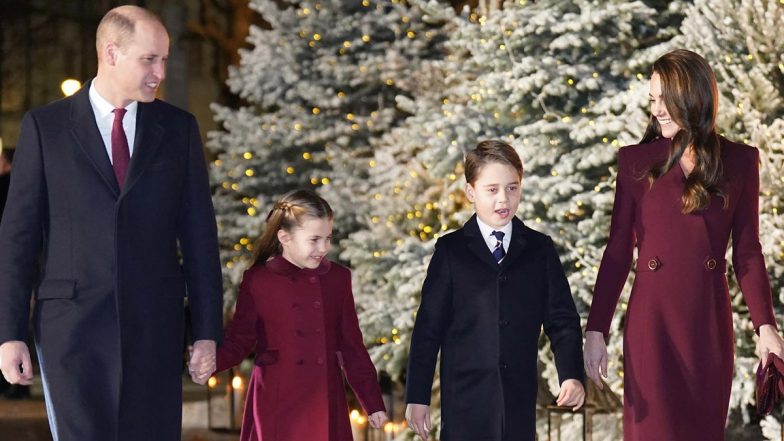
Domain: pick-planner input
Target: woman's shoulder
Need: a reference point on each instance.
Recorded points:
(733, 151)
(636, 160)
(649, 151)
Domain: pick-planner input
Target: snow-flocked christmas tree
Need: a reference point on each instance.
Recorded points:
(317, 85)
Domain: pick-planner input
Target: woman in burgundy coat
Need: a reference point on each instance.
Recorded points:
(680, 196)
(295, 308)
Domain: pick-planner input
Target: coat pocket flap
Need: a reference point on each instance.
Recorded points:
(56, 289)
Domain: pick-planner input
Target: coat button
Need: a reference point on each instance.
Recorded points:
(318, 331)
(300, 362)
(299, 333)
(502, 279)
(710, 264)
(313, 279)
(319, 360)
(295, 305)
(654, 264)
(504, 365)
(316, 305)
(503, 322)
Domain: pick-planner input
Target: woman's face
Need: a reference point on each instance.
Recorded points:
(659, 110)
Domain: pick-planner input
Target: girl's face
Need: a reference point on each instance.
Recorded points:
(307, 244)
(659, 110)
(495, 194)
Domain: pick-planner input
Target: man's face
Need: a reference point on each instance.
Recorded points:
(139, 66)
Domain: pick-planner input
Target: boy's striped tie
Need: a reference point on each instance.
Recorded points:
(499, 252)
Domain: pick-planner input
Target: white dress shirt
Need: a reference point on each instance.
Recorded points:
(104, 117)
(487, 233)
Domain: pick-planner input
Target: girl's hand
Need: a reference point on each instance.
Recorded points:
(378, 419)
(769, 342)
(595, 353)
(572, 394)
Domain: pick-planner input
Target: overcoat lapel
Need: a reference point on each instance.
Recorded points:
(476, 243)
(149, 133)
(516, 245)
(85, 131)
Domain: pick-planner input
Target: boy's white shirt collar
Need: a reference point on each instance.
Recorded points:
(490, 240)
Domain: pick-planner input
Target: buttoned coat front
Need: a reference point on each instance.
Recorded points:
(303, 327)
(486, 318)
(678, 336)
(114, 267)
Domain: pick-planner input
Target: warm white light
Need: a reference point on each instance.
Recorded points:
(70, 86)
(212, 382)
(236, 382)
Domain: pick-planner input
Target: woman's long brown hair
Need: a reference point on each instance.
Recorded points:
(288, 213)
(691, 95)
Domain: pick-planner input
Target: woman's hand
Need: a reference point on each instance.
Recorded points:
(595, 353)
(769, 342)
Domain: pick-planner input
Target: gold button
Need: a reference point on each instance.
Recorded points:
(653, 264)
(710, 264)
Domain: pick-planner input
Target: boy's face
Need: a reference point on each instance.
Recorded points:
(495, 194)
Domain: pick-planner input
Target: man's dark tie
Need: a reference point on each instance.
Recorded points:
(121, 155)
(498, 251)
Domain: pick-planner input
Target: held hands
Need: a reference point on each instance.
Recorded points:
(13, 354)
(202, 362)
(595, 353)
(418, 417)
(769, 341)
(378, 419)
(572, 394)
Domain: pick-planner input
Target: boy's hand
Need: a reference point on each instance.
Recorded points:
(418, 417)
(595, 353)
(377, 419)
(572, 394)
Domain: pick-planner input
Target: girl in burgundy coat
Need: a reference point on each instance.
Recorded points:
(680, 196)
(296, 310)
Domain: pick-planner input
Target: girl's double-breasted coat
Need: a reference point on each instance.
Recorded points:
(486, 319)
(678, 336)
(304, 329)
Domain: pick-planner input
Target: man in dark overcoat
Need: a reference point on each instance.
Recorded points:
(110, 196)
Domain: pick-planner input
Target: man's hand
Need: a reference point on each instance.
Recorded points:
(15, 363)
(202, 362)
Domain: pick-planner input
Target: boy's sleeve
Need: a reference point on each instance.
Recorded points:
(431, 322)
(356, 363)
(239, 338)
(561, 321)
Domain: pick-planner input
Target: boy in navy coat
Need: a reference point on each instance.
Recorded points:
(490, 288)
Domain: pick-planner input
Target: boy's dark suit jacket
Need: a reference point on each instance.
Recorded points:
(486, 318)
(109, 318)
